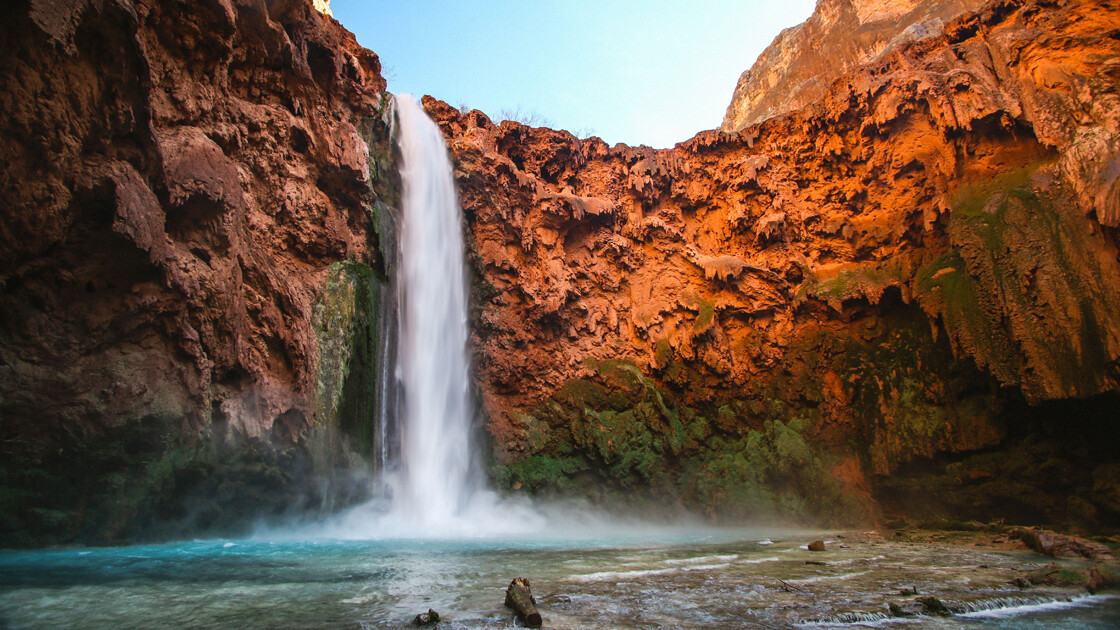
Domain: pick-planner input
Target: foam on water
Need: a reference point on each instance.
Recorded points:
(1014, 608)
(761, 560)
(828, 578)
(703, 560)
(618, 576)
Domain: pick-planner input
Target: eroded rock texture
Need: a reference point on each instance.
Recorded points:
(179, 179)
(779, 319)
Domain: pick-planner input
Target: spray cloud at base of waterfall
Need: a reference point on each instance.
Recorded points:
(520, 520)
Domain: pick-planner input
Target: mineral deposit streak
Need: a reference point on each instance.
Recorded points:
(435, 469)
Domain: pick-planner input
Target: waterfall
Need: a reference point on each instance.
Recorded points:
(436, 481)
(429, 481)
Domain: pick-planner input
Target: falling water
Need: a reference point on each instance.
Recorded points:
(430, 485)
(435, 459)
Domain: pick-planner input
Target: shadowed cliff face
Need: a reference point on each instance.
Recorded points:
(775, 319)
(179, 179)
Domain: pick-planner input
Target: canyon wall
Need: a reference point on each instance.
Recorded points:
(791, 319)
(897, 297)
(802, 62)
(188, 253)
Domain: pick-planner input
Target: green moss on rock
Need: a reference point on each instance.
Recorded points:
(857, 282)
(544, 471)
(623, 432)
(1021, 289)
(346, 324)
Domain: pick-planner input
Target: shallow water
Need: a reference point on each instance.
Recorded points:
(701, 579)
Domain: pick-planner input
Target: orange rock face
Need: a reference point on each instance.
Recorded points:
(882, 270)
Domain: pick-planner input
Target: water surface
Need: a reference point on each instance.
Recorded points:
(704, 579)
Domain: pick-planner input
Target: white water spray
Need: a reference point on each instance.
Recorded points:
(436, 481)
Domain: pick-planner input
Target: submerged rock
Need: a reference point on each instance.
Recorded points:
(898, 610)
(927, 605)
(426, 619)
(934, 606)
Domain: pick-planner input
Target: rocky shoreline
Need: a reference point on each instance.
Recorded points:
(918, 572)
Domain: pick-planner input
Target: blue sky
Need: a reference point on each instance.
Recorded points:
(650, 72)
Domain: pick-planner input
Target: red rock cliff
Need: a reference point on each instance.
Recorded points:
(820, 298)
(179, 179)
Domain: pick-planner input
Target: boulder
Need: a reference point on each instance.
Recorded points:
(1058, 545)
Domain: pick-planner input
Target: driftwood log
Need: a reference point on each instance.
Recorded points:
(520, 599)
